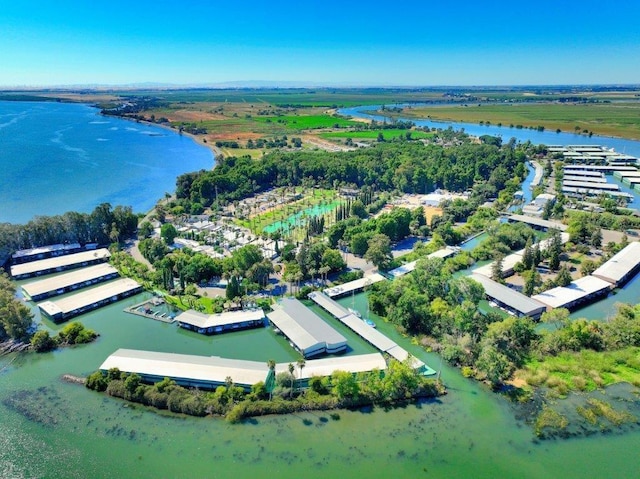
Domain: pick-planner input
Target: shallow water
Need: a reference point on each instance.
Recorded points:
(59, 157)
(64, 430)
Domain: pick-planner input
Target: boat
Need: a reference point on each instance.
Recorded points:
(368, 322)
(356, 312)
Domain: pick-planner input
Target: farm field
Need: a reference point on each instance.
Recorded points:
(308, 122)
(373, 134)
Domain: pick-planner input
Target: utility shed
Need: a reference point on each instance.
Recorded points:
(622, 266)
(578, 292)
(509, 298)
(306, 331)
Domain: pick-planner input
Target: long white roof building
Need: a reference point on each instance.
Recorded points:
(579, 291)
(212, 371)
(622, 266)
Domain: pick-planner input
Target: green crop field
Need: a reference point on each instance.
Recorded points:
(307, 122)
(373, 134)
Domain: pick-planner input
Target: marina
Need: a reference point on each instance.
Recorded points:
(79, 303)
(513, 301)
(579, 292)
(221, 322)
(209, 372)
(308, 333)
(43, 252)
(366, 332)
(64, 283)
(621, 267)
(59, 263)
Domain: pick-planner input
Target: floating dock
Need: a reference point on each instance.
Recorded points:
(621, 267)
(64, 283)
(59, 263)
(209, 372)
(86, 301)
(580, 291)
(222, 322)
(366, 332)
(510, 299)
(307, 332)
(354, 286)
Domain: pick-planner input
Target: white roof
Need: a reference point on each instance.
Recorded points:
(88, 297)
(202, 320)
(588, 179)
(620, 265)
(66, 280)
(303, 327)
(45, 249)
(409, 267)
(591, 185)
(354, 285)
(59, 261)
(538, 222)
(577, 290)
(215, 369)
(510, 297)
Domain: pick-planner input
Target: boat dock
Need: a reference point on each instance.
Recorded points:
(366, 332)
(64, 283)
(143, 309)
(59, 263)
(621, 267)
(354, 286)
(85, 301)
(221, 322)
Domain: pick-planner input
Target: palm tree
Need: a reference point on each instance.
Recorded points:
(292, 368)
(271, 377)
(301, 364)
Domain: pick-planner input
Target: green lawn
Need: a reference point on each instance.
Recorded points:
(306, 122)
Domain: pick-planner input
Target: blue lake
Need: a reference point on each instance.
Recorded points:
(59, 157)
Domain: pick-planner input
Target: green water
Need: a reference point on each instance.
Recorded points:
(300, 216)
(64, 430)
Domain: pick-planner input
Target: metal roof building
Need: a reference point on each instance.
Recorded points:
(353, 286)
(591, 185)
(579, 291)
(221, 322)
(71, 281)
(59, 263)
(622, 266)
(209, 372)
(42, 252)
(85, 301)
(537, 222)
(443, 253)
(509, 298)
(307, 331)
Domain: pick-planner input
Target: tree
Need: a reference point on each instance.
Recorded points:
(564, 277)
(15, 318)
(531, 280)
(168, 233)
(233, 288)
(42, 342)
(555, 249)
(495, 365)
(496, 267)
(291, 369)
(379, 251)
(145, 230)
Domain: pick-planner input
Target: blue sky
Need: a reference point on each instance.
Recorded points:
(113, 42)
